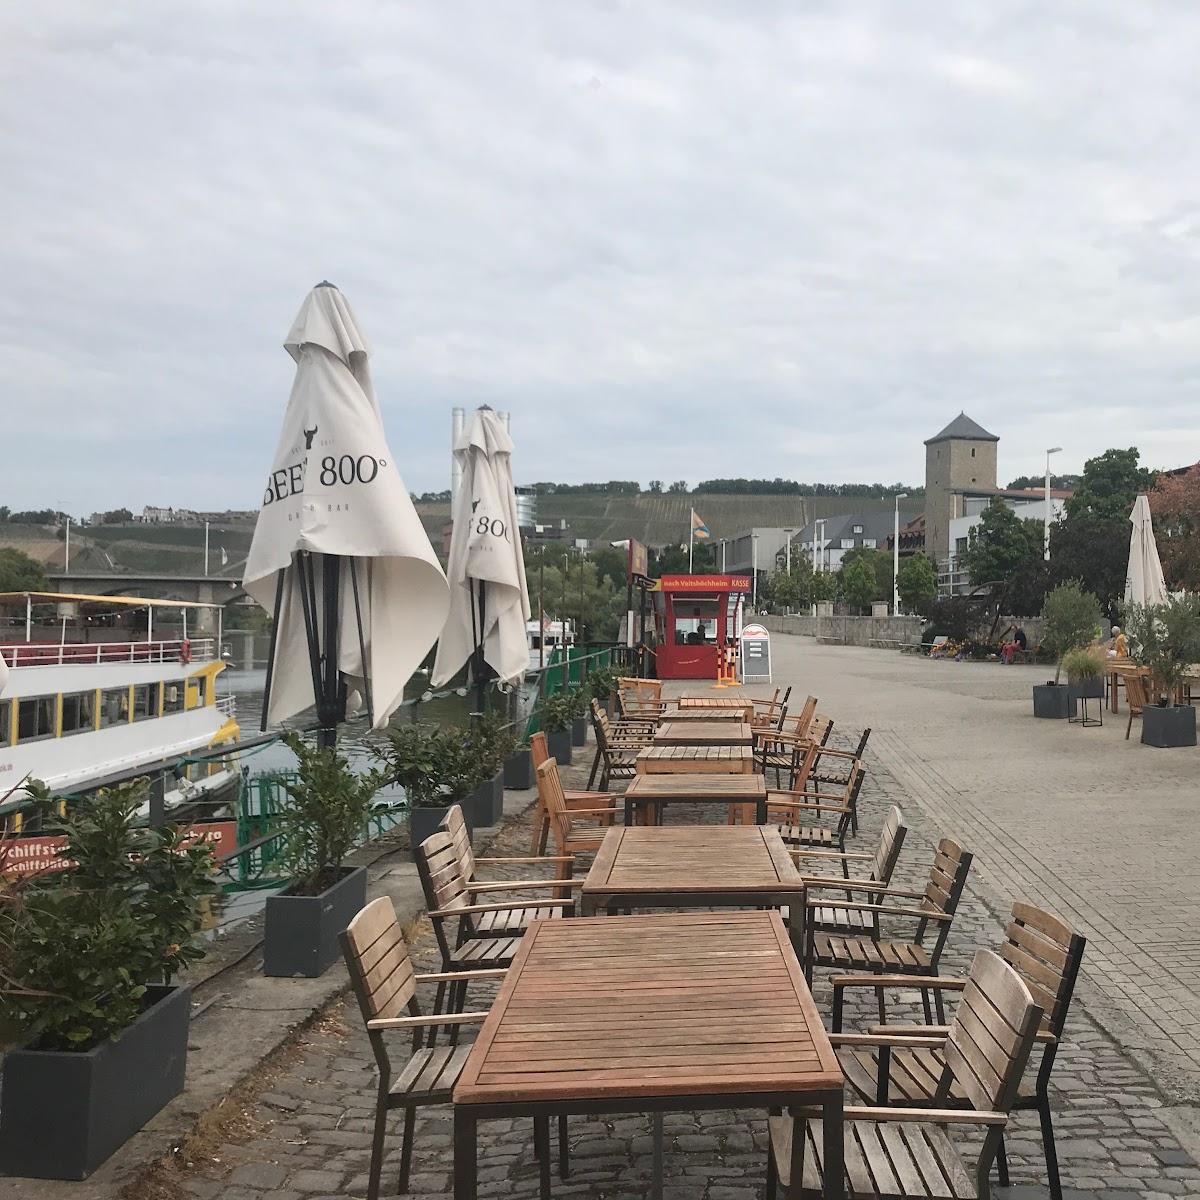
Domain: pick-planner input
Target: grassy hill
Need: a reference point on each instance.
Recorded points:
(656, 519)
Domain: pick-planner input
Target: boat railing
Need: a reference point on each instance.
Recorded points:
(227, 706)
(61, 654)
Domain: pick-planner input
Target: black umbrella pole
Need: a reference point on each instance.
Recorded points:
(480, 667)
(328, 706)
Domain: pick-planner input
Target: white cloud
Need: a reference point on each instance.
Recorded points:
(648, 230)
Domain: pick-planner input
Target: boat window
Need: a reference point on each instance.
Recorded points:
(5, 721)
(78, 712)
(172, 696)
(35, 718)
(141, 701)
(114, 707)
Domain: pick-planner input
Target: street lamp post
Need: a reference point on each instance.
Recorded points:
(754, 569)
(896, 556)
(787, 535)
(1046, 538)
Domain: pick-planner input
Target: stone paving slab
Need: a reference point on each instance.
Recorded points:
(306, 1133)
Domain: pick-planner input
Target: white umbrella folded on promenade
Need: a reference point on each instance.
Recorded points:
(1144, 582)
(489, 602)
(339, 555)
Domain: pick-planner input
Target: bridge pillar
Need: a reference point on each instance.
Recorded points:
(206, 618)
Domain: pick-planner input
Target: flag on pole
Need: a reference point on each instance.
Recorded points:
(700, 531)
(224, 557)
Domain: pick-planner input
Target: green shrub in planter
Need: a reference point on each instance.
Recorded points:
(1072, 620)
(557, 713)
(86, 959)
(602, 685)
(1085, 674)
(1166, 639)
(327, 811)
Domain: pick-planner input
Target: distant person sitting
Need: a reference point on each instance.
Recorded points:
(1119, 646)
(1018, 641)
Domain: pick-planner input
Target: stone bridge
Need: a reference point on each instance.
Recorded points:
(200, 589)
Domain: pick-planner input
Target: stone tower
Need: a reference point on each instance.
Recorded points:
(963, 455)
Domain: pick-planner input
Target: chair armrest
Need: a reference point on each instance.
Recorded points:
(857, 885)
(931, 1116)
(948, 983)
(544, 858)
(521, 884)
(459, 976)
(908, 1031)
(469, 1018)
(468, 909)
(802, 851)
(875, 1039)
(883, 910)
(798, 807)
(592, 812)
(822, 751)
(818, 881)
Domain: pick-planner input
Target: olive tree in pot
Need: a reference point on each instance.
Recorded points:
(1072, 619)
(435, 771)
(602, 687)
(493, 742)
(556, 716)
(1085, 675)
(579, 700)
(97, 1031)
(326, 816)
(1166, 639)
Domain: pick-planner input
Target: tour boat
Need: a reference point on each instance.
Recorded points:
(78, 708)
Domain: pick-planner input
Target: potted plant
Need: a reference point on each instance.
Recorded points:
(602, 686)
(518, 768)
(87, 957)
(556, 715)
(1072, 620)
(327, 811)
(433, 768)
(491, 742)
(1166, 639)
(1085, 675)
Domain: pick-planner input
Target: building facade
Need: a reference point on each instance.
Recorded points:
(962, 456)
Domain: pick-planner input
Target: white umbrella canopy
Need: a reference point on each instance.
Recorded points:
(489, 602)
(1144, 582)
(339, 554)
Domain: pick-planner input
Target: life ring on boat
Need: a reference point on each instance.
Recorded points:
(185, 652)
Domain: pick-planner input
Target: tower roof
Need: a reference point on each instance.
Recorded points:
(963, 429)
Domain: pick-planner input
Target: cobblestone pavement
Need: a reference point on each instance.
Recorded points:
(307, 1134)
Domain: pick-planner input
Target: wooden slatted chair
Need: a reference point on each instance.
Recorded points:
(617, 746)
(768, 714)
(819, 820)
(571, 836)
(640, 699)
(826, 770)
(1135, 697)
(775, 745)
(1046, 953)
(456, 916)
(583, 800)
(385, 986)
(934, 906)
(897, 1153)
(879, 866)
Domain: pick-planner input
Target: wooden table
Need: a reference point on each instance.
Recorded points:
(657, 791)
(691, 866)
(661, 760)
(704, 733)
(705, 714)
(734, 702)
(664, 1013)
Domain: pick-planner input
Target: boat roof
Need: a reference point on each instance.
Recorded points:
(81, 598)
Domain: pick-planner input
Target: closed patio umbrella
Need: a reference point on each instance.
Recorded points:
(1144, 583)
(339, 556)
(489, 602)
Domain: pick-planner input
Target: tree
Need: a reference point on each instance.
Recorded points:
(19, 572)
(1111, 483)
(1165, 638)
(1175, 506)
(1065, 482)
(673, 560)
(1072, 619)
(612, 564)
(917, 583)
(859, 585)
(678, 487)
(880, 564)
(1000, 544)
(1094, 550)
(655, 486)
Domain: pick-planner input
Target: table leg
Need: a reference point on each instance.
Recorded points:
(760, 811)
(832, 1149)
(465, 1130)
(628, 811)
(541, 1140)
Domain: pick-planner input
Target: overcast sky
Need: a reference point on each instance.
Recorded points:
(677, 240)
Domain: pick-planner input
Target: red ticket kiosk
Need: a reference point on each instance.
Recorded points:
(695, 618)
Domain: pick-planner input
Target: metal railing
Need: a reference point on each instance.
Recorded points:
(227, 706)
(61, 654)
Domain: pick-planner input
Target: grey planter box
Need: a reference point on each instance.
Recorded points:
(558, 744)
(1174, 726)
(486, 803)
(1051, 700)
(1089, 689)
(62, 1113)
(301, 932)
(579, 731)
(424, 822)
(518, 772)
